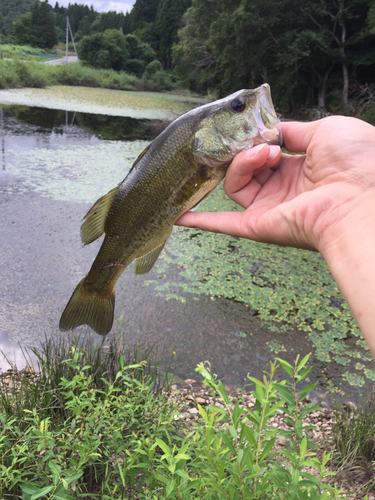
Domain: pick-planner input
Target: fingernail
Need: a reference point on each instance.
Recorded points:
(254, 151)
(274, 151)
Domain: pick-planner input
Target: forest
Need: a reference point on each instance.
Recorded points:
(317, 55)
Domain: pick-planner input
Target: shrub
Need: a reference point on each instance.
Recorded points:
(82, 434)
(104, 50)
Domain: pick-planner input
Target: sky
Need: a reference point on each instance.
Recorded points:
(100, 5)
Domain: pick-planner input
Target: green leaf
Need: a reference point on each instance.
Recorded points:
(285, 393)
(286, 366)
(303, 362)
(61, 494)
(295, 476)
(56, 472)
(249, 435)
(267, 449)
(170, 487)
(28, 489)
(41, 493)
(306, 390)
(182, 473)
(223, 392)
(73, 477)
(236, 414)
(164, 447)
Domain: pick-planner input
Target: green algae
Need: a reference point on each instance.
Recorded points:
(80, 173)
(142, 105)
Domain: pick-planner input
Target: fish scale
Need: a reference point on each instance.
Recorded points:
(174, 173)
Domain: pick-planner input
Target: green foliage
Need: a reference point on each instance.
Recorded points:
(353, 434)
(10, 12)
(36, 27)
(16, 74)
(23, 30)
(233, 454)
(154, 78)
(143, 12)
(300, 48)
(140, 55)
(106, 50)
(167, 22)
(369, 115)
(72, 423)
(80, 432)
(112, 50)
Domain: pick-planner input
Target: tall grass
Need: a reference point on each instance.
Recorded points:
(354, 440)
(18, 74)
(38, 386)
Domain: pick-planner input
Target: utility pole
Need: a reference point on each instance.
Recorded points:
(67, 24)
(71, 34)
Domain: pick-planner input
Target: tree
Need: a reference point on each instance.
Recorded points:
(143, 12)
(104, 50)
(36, 27)
(167, 22)
(305, 49)
(44, 24)
(10, 12)
(23, 30)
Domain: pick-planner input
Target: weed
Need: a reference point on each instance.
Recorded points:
(118, 439)
(354, 440)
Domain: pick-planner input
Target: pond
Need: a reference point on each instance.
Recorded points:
(56, 160)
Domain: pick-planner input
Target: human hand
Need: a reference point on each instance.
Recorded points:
(323, 200)
(298, 200)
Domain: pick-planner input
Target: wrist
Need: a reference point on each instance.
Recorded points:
(348, 247)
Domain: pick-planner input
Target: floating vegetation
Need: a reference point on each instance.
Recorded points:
(284, 287)
(142, 105)
(81, 173)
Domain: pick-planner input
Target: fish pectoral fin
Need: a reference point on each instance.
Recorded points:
(144, 264)
(93, 227)
(192, 186)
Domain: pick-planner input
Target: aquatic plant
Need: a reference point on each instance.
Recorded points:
(285, 287)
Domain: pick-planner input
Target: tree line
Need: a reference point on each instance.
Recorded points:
(314, 53)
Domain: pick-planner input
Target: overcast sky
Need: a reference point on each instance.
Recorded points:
(100, 5)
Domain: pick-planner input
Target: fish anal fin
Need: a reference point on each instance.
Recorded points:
(144, 264)
(93, 227)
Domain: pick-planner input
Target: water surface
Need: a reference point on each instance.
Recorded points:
(54, 164)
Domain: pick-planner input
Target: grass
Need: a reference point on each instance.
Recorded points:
(90, 425)
(354, 441)
(18, 74)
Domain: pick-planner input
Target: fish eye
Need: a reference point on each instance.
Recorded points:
(238, 104)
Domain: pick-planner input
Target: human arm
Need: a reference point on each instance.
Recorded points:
(323, 200)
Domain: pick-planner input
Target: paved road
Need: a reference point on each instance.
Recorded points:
(54, 62)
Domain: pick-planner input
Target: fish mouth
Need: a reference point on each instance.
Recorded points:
(274, 137)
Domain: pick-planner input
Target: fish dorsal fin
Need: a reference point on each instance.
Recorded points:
(142, 155)
(144, 264)
(93, 227)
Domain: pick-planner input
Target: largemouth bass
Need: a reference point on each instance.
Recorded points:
(172, 175)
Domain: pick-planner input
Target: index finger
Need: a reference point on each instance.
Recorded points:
(298, 135)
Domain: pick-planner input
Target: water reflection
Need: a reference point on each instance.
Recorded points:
(116, 128)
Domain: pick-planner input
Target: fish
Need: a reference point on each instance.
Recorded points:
(172, 175)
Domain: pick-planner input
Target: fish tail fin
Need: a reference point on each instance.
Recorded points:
(89, 307)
